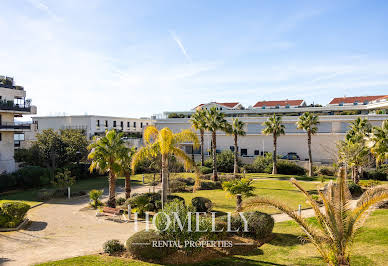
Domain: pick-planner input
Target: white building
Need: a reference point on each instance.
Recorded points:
(13, 103)
(334, 122)
(95, 125)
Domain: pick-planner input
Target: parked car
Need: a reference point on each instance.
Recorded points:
(291, 156)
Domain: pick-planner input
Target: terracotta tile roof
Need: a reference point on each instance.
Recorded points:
(229, 105)
(360, 99)
(280, 103)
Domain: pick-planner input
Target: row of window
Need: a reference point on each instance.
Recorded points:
(244, 152)
(106, 124)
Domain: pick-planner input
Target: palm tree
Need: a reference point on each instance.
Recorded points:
(359, 129)
(215, 120)
(105, 155)
(338, 224)
(237, 128)
(378, 141)
(274, 126)
(198, 121)
(165, 143)
(125, 163)
(308, 122)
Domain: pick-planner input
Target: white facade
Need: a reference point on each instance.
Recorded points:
(12, 104)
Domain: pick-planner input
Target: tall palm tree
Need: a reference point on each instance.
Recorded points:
(273, 126)
(125, 164)
(359, 129)
(105, 154)
(198, 121)
(338, 224)
(215, 120)
(165, 143)
(378, 141)
(308, 122)
(236, 129)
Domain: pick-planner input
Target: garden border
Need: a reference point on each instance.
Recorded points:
(20, 226)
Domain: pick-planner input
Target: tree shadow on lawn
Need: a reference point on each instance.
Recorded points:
(284, 240)
(234, 260)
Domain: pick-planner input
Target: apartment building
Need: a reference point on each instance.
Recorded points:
(95, 125)
(13, 104)
(334, 123)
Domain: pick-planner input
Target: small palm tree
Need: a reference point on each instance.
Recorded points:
(198, 121)
(338, 224)
(215, 120)
(236, 129)
(165, 143)
(378, 141)
(273, 126)
(105, 154)
(239, 188)
(125, 163)
(308, 122)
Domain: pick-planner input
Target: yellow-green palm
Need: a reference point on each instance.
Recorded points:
(236, 129)
(198, 121)
(105, 153)
(308, 122)
(273, 126)
(125, 164)
(337, 224)
(165, 143)
(379, 142)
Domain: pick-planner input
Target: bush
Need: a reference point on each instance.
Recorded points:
(120, 201)
(369, 183)
(205, 170)
(377, 174)
(289, 168)
(30, 176)
(177, 186)
(202, 204)
(260, 225)
(46, 194)
(262, 164)
(225, 161)
(145, 202)
(147, 252)
(355, 189)
(188, 181)
(94, 196)
(325, 170)
(113, 246)
(175, 197)
(7, 181)
(13, 213)
(210, 185)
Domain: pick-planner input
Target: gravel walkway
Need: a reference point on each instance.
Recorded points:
(62, 229)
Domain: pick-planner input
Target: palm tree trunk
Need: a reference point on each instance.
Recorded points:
(274, 167)
(235, 168)
(112, 190)
(192, 153)
(164, 179)
(127, 185)
(202, 154)
(310, 155)
(214, 139)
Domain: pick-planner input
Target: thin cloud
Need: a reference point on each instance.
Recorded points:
(180, 44)
(42, 6)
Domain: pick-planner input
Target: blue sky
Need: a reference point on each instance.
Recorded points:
(138, 58)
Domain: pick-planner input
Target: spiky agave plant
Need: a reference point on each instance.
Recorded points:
(337, 225)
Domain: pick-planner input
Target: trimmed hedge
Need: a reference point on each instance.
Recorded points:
(210, 185)
(260, 225)
(12, 213)
(113, 246)
(202, 204)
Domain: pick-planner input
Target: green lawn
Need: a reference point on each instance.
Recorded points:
(278, 189)
(370, 248)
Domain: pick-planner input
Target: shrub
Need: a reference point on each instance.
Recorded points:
(14, 213)
(63, 179)
(262, 164)
(260, 225)
(177, 186)
(46, 194)
(113, 246)
(202, 204)
(7, 181)
(325, 170)
(94, 196)
(377, 174)
(289, 168)
(147, 252)
(30, 176)
(120, 201)
(225, 161)
(210, 185)
(145, 202)
(188, 181)
(205, 170)
(355, 189)
(175, 197)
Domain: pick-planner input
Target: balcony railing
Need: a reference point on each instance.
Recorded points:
(15, 107)
(13, 125)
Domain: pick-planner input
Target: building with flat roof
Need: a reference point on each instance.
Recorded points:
(13, 104)
(334, 119)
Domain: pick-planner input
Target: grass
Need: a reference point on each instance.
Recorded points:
(370, 248)
(280, 190)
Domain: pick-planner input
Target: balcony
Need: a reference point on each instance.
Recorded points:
(15, 125)
(11, 106)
